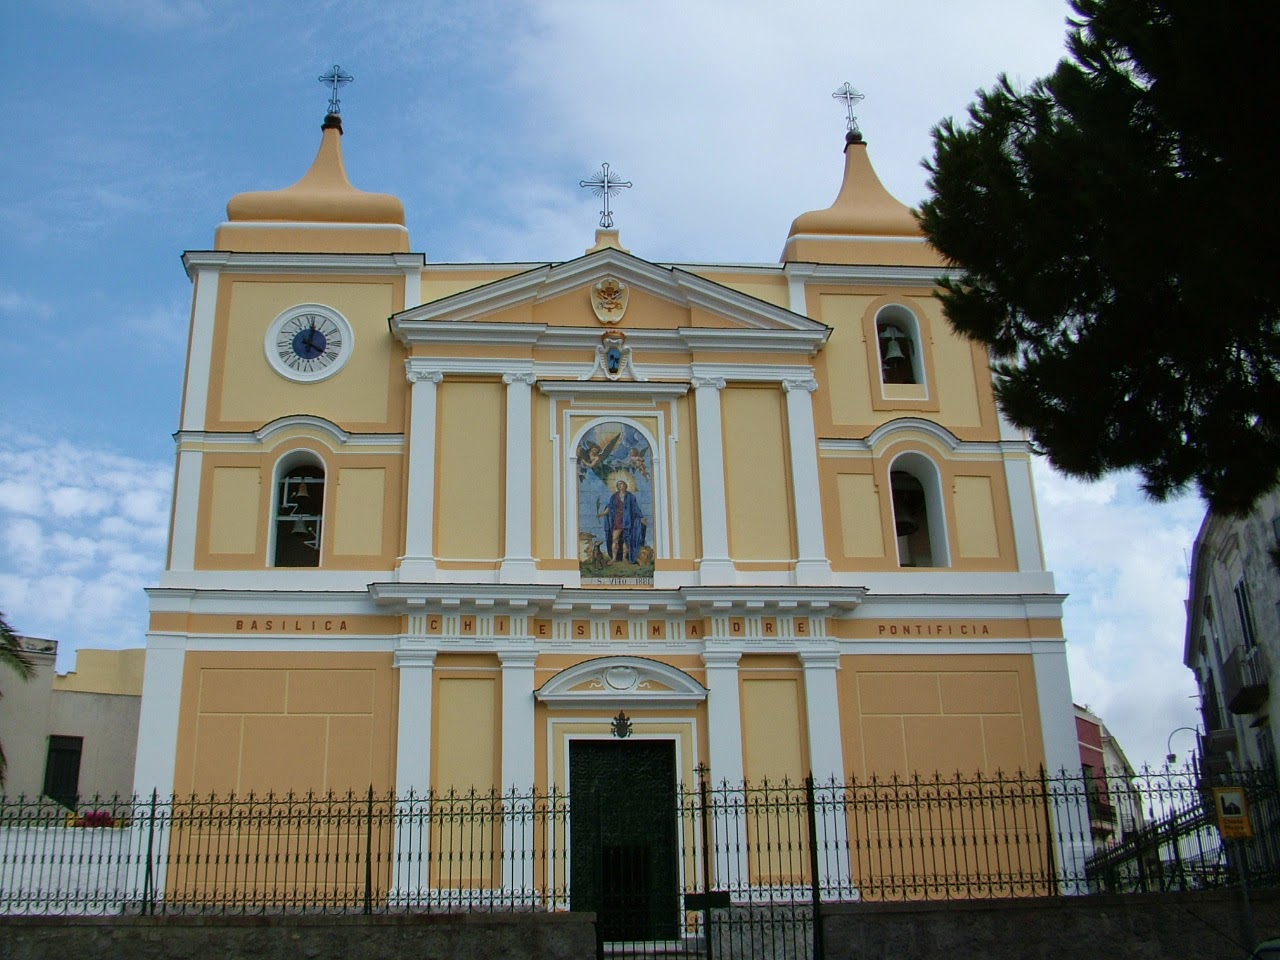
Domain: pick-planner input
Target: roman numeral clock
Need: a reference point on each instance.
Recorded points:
(308, 342)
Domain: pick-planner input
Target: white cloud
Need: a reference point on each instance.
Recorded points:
(84, 531)
(1122, 560)
(23, 305)
(159, 329)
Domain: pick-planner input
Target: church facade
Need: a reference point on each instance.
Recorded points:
(483, 525)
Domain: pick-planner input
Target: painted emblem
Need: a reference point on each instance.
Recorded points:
(620, 727)
(613, 358)
(609, 299)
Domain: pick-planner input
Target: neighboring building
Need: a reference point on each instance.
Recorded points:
(1115, 797)
(72, 737)
(1233, 634)
(446, 526)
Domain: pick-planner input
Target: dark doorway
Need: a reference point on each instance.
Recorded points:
(622, 832)
(62, 770)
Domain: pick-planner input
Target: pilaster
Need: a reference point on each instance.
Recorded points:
(418, 562)
(715, 565)
(518, 565)
(812, 566)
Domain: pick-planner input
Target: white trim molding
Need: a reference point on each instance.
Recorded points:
(609, 682)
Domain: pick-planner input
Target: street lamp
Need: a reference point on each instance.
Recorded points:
(1172, 757)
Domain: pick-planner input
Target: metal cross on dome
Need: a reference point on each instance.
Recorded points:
(850, 96)
(605, 184)
(335, 79)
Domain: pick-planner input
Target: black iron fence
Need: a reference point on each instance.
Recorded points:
(739, 860)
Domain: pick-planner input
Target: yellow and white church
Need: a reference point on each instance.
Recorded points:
(482, 525)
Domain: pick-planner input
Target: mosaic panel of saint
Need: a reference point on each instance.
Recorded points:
(615, 506)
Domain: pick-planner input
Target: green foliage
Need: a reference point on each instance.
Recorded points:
(11, 656)
(1114, 226)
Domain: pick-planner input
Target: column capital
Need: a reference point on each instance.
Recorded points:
(411, 659)
(712, 657)
(524, 376)
(698, 382)
(825, 657)
(808, 384)
(519, 657)
(415, 371)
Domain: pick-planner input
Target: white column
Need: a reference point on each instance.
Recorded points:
(518, 565)
(797, 274)
(822, 706)
(1062, 757)
(154, 768)
(195, 396)
(413, 728)
(412, 286)
(414, 662)
(724, 734)
(186, 509)
(724, 714)
(158, 718)
(826, 763)
(1022, 504)
(715, 565)
(812, 566)
(418, 562)
(519, 829)
(517, 717)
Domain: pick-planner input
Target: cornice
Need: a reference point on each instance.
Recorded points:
(621, 681)
(552, 280)
(242, 262)
(807, 342)
(267, 432)
(467, 332)
(613, 388)
(555, 599)
(840, 274)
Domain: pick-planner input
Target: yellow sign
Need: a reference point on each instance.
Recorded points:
(1233, 813)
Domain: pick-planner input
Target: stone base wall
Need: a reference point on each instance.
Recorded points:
(518, 936)
(1179, 926)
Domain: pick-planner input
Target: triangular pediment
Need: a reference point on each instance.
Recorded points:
(552, 300)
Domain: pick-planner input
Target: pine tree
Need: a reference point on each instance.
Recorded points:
(1114, 226)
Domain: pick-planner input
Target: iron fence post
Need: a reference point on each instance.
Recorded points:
(148, 893)
(811, 805)
(704, 803)
(1052, 876)
(368, 855)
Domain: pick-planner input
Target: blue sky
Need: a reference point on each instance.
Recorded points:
(128, 124)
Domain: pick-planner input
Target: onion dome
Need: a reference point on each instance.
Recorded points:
(865, 224)
(311, 214)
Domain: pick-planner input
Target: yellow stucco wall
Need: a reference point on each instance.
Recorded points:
(858, 506)
(285, 722)
(956, 391)
(245, 392)
(466, 724)
(469, 470)
(234, 525)
(358, 508)
(773, 742)
(925, 714)
(116, 672)
(757, 475)
(363, 505)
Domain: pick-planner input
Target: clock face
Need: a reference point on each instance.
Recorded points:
(308, 343)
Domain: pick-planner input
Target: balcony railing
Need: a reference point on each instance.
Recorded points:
(1244, 680)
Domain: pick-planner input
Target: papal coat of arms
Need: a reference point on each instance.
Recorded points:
(609, 299)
